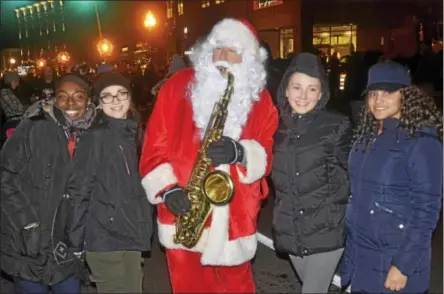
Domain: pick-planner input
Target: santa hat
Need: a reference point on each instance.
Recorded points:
(238, 34)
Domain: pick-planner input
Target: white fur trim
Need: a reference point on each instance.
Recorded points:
(156, 180)
(256, 161)
(233, 33)
(234, 252)
(263, 54)
(214, 245)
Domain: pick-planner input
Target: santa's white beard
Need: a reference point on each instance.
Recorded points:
(210, 85)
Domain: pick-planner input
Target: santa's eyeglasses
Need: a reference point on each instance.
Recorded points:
(108, 98)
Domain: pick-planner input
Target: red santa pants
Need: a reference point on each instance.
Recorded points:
(188, 275)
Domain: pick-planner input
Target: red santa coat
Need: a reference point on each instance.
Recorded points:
(172, 140)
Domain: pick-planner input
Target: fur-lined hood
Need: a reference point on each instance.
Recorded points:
(48, 108)
(40, 108)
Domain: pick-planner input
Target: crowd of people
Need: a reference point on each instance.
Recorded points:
(83, 168)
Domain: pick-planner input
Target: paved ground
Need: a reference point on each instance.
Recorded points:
(437, 277)
(272, 274)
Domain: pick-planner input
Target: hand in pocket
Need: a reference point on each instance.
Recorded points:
(31, 241)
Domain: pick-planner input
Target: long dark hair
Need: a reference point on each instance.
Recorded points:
(418, 110)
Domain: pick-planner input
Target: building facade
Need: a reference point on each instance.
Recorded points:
(47, 29)
(278, 22)
(289, 26)
(9, 59)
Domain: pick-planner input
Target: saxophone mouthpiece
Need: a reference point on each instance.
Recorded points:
(223, 70)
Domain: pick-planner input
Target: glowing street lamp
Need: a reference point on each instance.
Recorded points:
(150, 21)
(12, 61)
(41, 63)
(105, 47)
(63, 57)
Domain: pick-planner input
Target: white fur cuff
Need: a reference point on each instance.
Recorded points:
(256, 162)
(157, 180)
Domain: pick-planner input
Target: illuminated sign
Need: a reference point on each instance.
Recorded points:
(259, 4)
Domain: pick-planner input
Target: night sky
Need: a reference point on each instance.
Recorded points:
(8, 27)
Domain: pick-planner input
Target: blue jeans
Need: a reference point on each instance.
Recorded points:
(70, 285)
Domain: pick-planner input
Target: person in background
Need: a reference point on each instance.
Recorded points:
(103, 68)
(146, 107)
(35, 164)
(12, 102)
(310, 174)
(45, 86)
(112, 216)
(275, 71)
(395, 170)
(177, 63)
(335, 72)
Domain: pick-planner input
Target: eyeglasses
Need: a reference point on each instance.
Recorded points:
(108, 98)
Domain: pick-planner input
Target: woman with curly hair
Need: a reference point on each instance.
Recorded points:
(395, 170)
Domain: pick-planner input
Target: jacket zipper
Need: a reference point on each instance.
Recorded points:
(126, 162)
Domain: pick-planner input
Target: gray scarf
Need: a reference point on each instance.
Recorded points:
(48, 106)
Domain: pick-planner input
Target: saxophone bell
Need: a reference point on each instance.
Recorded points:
(218, 187)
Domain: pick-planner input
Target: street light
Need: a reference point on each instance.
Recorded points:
(63, 57)
(41, 62)
(12, 61)
(150, 21)
(105, 47)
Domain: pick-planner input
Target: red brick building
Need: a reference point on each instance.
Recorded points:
(294, 25)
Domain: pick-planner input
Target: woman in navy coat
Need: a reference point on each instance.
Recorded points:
(395, 170)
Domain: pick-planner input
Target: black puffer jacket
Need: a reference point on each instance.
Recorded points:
(309, 171)
(35, 165)
(112, 212)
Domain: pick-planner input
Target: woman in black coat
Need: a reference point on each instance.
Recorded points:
(112, 216)
(310, 175)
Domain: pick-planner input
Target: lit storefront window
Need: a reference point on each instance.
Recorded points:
(206, 3)
(286, 42)
(180, 7)
(330, 39)
(169, 5)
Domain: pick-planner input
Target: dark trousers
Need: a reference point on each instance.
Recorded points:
(68, 286)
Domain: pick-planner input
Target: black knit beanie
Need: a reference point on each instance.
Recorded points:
(112, 78)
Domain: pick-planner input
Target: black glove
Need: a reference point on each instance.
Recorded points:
(225, 151)
(176, 200)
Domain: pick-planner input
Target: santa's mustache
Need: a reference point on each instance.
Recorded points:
(222, 64)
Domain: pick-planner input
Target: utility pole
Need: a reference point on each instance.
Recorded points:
(175, 27)
(98, 20)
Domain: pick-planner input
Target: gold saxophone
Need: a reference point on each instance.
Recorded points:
(204, 187)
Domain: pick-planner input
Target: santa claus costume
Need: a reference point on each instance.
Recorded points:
(220, 261)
